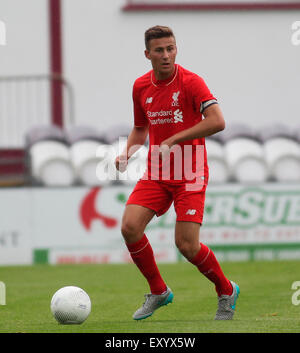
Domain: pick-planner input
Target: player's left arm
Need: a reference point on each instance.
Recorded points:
(213, 123)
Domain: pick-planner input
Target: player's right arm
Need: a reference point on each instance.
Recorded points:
(136, 139)
(138, 134)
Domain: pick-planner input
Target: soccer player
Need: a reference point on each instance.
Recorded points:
(169, 103)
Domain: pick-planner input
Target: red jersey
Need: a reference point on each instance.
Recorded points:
(169, 106)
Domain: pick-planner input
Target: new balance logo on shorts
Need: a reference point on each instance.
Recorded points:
(191, 212)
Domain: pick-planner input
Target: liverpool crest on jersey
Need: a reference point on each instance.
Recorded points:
(175, 96)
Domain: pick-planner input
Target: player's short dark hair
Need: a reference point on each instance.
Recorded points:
(157, 32)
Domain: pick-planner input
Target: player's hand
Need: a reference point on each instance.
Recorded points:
(165, 147)
(164, 151)
(121, 163)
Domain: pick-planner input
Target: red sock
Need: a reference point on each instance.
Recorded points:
(208, 265)
(142, 255)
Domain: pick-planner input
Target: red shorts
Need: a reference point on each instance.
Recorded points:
(158, 196)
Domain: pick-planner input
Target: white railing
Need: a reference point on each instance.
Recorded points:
(25, 101)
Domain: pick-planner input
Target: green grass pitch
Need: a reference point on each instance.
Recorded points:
(116, 291)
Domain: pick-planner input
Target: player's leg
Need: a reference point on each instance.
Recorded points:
(187, 238)
(147, 199)
(187, 241)
(134, 222)
(189, 207)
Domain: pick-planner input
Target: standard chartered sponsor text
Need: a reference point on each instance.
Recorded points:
(160, 113)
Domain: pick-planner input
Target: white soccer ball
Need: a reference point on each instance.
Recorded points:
(70, 305)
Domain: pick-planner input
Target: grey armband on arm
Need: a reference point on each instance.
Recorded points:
(206, 104)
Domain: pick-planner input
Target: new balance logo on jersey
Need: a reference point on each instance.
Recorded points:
(191, 212)
(149, 100)
(175, 99)
(178, 116)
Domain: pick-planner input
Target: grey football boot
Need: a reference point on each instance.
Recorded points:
(153, 302)
(227, 304)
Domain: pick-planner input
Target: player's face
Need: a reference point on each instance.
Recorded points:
(162, 53)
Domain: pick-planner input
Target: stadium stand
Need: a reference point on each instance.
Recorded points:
(218, 168)
(13, 167)
(120, 130)
(49, 156)
(89, 148)
(83, 155)
(244, 154)
(25, 106)
(282, 152)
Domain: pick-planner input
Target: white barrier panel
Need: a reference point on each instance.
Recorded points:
(16, 243)
(240, 223)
